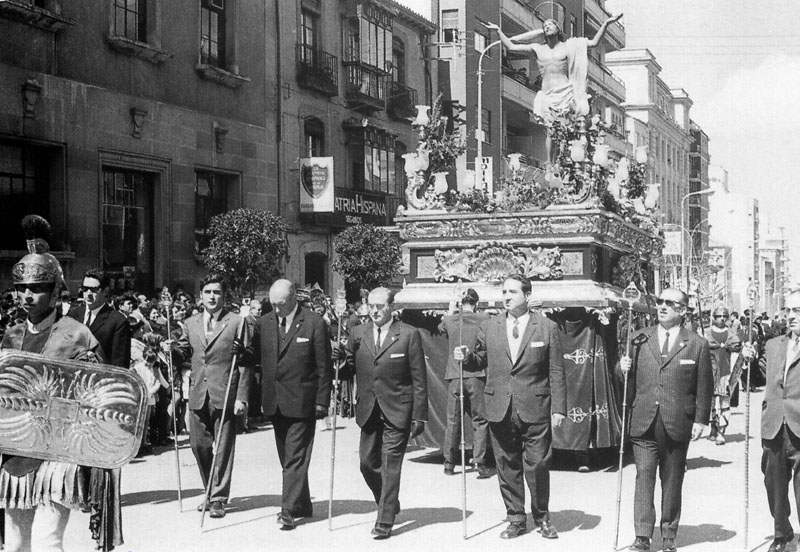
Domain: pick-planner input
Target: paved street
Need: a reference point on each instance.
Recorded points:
(582, 505)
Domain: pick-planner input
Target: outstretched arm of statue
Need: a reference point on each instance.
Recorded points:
(507, 42)
(602, 30)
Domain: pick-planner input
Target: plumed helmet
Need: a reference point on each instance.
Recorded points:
(38, 266)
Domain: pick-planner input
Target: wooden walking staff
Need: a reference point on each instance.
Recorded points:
(460, 303)
(340, 307)
(217, 437)
(631, 294)
(165, 304)
(752, 293)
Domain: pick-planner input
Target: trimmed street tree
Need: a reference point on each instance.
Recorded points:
(366, 256)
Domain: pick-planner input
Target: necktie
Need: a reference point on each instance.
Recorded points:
(283, 326)
(87, 320)
(378, 340)
(665, 347)
(515, 329)
(210, 327)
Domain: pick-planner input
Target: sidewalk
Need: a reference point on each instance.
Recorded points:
(582, 504)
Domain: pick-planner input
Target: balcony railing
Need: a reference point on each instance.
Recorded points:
(519, 75)
(366, 86)
(402, 100)
(317, 70)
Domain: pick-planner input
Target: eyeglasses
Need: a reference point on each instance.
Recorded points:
(669, 302)
(35, 288)
(94, 289)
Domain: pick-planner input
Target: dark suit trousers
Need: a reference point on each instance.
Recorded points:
(523, 450)
(381, 451)
(655, 450)
(294, 439)
(475, 405)
(203, 426)
(780, 463)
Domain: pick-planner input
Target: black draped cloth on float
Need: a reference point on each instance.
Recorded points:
(594, 388)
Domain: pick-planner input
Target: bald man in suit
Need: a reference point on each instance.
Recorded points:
(673, 384)
(294, 350)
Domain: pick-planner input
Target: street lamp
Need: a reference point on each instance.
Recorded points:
(707, 191)
(479, 129)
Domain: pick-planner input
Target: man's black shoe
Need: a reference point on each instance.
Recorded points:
(381, 531)
(204, 503)
(286, 521)
(449, 469)
(546, 529)
(779, 544)
(641, 544)
(514, 529)
(216, 510)
(484, 472)
(668, 545)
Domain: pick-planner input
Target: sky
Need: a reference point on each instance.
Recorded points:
(740, 63)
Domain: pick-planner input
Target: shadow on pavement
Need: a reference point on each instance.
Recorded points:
(739, 437)
(416, 518)
(246, 503)
(158, 497)
(703, 462)
(571, 520)
(696, 534)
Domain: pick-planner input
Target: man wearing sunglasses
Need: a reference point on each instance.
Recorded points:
(672, 386)
(109, 326)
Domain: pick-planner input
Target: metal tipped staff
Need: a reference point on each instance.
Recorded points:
(166, 305)
(459, 298)
(631, 294)
(752, 293)
(340, 306)
(215, 449)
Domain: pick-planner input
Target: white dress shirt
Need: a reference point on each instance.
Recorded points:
(514, 343)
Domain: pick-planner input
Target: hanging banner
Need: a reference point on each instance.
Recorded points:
(672, 242)
(316, 185)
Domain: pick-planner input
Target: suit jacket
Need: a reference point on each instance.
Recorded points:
(113, 332)
(211, 362)
(535, 380)
(781, 402)
(679, 386)
(296, 370)
(395, 377)
(475, 363)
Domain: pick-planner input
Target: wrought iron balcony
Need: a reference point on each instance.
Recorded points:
(316, 70)
(402, 100)
(366, 86)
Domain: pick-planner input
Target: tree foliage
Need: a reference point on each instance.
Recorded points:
(247, 246)
(366, 255)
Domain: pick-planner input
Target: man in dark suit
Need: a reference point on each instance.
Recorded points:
(780, 423)
(211, 339)
(293, 348)
(108, 326)
(113, 331)
(462, 329)
(672, 387)
(525, 393)
(392, 400)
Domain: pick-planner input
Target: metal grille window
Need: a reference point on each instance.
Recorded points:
(128, 228)
(449, 25)
(212, 32)
(130, 19)
(24, 189)
(210, 199)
